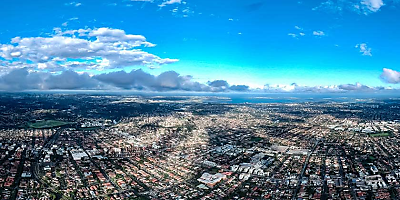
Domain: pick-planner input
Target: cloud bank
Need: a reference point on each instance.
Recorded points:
(139, 80)
(23, 79)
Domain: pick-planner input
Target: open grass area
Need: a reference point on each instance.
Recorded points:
(256, 139)
(47, 124)
(383, 134)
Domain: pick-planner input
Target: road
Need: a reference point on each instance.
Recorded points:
(304, 169)
(36, 171)
(103, 172)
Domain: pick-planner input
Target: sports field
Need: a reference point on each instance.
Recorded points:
(47, 124)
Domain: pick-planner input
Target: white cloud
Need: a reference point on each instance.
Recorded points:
(182, 12)
(69, 20)
(169, 2)
(15, 54)
(364, 49)
(359, 6)
(390, 76)
(76, 4)
(42, 66)
(372, 5)
(358, 87)
(318, 33)
(298, 88)
(81, 48)
(296, 35)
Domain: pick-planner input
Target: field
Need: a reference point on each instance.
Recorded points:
(47, 124)
(383, 134)
(256, 139)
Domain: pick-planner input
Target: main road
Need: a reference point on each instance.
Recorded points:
(304, 169)
(36, 164)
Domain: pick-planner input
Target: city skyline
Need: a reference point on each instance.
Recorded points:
(200, 46)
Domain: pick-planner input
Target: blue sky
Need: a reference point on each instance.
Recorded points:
(253, 42)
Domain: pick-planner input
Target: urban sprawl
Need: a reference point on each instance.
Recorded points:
(65, 146)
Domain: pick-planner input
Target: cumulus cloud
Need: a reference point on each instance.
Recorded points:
(140, 80)
(239, 88)
(356, 87)
(99, 48)
(136, 79)
(222, 85)
(24, 79)
(390, 76)
(21, 79)
(219, 83)
(70, 80)
(364, 49)
(167, 81)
